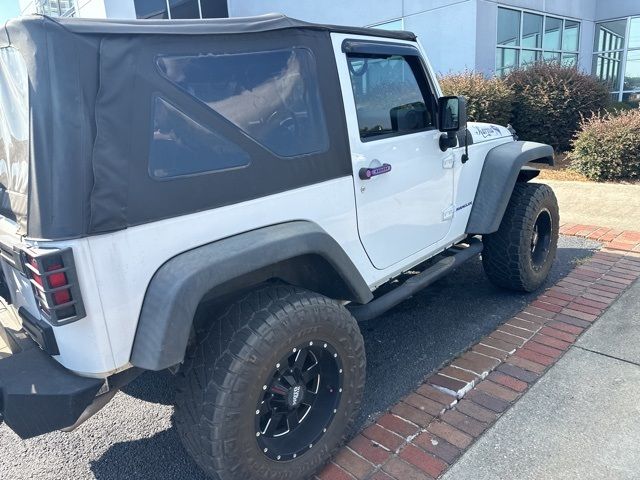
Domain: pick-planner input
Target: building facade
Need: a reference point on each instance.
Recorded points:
(490, 36)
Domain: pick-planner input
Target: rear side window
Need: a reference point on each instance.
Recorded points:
(391, 94)
(181, 146)
(272, 96)
(14, 135)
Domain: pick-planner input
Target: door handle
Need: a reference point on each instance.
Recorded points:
(367, 173)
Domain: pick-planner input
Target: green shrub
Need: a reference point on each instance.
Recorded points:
(551, 99)
(489, 99)
(607, 147)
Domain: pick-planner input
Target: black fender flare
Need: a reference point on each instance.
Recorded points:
(180, 284)
(500, 172)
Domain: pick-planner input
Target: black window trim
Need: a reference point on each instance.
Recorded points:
(382, 48)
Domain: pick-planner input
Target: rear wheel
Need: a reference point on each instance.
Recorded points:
(520, 254)
(270, 391)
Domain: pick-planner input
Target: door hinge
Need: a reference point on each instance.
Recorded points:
(447, 213)
(447, 162)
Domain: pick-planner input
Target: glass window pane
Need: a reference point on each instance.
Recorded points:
(527, 57)
(151, 8)
(606, 66)
(214, 8)
(551, 57)
(570, 59)
(634, 33)
(632, 72)
(506, 60)
(391, 95)
(271, 96)
(552, 33)
(181, 146)
(570, 36)
(532, 31)
(508, 27)
(610, 35)
(184, 8)
(632, 98)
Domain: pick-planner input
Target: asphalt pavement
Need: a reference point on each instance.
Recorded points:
(133, 436)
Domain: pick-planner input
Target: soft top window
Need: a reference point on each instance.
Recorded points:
(14, 135)
(181, 146)
(272, 96)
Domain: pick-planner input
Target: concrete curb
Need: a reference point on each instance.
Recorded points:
(427, 431)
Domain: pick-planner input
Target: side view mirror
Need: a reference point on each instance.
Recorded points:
(452, 113)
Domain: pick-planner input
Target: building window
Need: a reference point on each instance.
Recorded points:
(56, 8)
(616, 57)
(177, 9)
(525, 37)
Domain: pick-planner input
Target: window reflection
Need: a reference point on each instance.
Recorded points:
(272, 96)
(181, 146)
(541, 37)
(508, 27)
(390, 93)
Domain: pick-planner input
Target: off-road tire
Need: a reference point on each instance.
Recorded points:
(223, 376)
(507, 258)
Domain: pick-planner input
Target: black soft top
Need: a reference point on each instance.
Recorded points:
(211, 26)
(92, 87)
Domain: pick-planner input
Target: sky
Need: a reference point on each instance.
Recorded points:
(8, 9)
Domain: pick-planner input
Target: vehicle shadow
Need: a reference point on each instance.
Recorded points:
(161, 457)
(153, 387)
(403, 347)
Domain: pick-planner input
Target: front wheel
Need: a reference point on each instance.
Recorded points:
(520, 254)
(270, 391)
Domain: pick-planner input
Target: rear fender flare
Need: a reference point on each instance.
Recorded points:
(296, 250)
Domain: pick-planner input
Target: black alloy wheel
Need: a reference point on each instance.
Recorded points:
(541, 239)
(300, 401)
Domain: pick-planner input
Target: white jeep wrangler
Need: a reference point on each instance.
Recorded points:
(223, 198)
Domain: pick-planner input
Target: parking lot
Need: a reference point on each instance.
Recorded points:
(133, 436)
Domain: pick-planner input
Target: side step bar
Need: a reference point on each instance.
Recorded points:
(438, 270)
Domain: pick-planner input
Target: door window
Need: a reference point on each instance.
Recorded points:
(392, 95)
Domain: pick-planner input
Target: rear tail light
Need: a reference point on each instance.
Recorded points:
(55, 285)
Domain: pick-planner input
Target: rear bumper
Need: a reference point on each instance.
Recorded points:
(37, 394)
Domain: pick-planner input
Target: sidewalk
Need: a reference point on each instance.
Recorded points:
(581, 420)
(605, 204)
